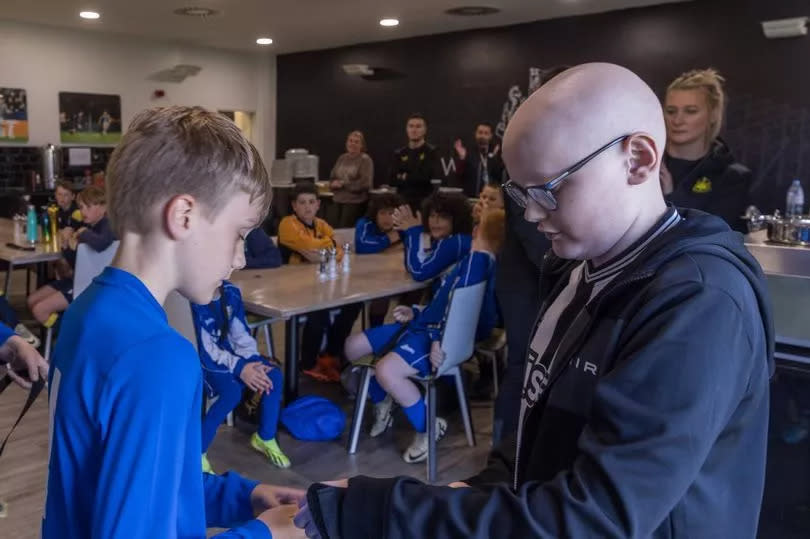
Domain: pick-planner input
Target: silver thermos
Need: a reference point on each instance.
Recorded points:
(51, 165)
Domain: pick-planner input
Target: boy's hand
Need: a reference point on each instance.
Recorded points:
(336, 184)
(393, 236)
(436, 354)
(254, 375)
(22, 356)
(280, 522)
(403, 314)
(66, 233)
(458, 484)
(405, 219)
(266, 497)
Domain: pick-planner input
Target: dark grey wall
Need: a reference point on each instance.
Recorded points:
(460, 78)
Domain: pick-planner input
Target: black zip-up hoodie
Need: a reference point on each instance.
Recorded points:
(667, 439)
(716, 184)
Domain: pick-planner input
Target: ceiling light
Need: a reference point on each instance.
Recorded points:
(264, 41)
(89, 15)
(389, 22)
(472, 11)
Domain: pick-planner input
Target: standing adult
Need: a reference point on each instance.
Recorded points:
(350, 180)
(699, 169)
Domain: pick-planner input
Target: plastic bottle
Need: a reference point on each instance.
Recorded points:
(32, 226)
(795, 200)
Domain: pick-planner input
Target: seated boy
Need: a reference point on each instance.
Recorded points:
(55, 296)
(68, 216)
(260, 251)
(231, 362)
(491, 197)
(418, 347)
(303, 235)
(125, 388)
(375, 232)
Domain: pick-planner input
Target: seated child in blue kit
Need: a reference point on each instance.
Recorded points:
(231, 361)
(417, 348)
(374, 232)
(437, 237)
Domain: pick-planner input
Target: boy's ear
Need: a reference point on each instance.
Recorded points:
(180, 215)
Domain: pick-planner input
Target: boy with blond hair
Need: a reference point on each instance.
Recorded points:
(185, 189)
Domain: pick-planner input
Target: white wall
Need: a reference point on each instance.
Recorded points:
(45, 61)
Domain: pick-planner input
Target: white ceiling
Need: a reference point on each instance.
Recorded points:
(294, 25)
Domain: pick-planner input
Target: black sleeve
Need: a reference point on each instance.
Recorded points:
(500, 465)
(640, 431)
(98, 239)
(734, 197)
(393, 180)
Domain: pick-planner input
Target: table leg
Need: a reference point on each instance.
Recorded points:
(9, 271)
(291, 359)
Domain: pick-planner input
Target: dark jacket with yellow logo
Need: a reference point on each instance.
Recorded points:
(716, 184)
(411, 172)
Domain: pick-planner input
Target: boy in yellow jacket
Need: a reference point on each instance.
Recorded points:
(301, 236)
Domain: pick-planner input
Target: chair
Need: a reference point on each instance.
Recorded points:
(178, 313)
(89, 265)
(458, 341)
(256, 323)
(494, 350)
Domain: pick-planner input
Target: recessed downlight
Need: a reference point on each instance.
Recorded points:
(90, 15)
(389, 22)
(264, 41)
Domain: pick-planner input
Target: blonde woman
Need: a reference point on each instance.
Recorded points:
(700, 171)
(350, 180)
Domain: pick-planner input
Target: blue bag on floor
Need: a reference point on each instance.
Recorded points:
(313, 419)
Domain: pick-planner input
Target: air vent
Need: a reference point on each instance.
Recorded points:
(472, 11)
(201, 12)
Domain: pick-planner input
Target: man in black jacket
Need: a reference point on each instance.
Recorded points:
(414, 165)
(645, 400)
(482, 165)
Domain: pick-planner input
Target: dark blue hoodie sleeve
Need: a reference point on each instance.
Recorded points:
(260, 251)
(657, 415)
(100, 236)
(368, 239)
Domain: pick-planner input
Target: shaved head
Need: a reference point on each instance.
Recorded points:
(616, 197)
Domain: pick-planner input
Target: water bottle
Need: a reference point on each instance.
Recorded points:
(322, 265)
(32, 225)
(347, 251)
(332, 265)
(795, 200)
(46, 226)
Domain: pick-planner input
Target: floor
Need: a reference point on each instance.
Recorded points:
(785, 511)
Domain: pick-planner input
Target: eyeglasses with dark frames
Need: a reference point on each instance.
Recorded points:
(543, 194)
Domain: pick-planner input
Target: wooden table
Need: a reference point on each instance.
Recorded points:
(294, 290)
(43, 252)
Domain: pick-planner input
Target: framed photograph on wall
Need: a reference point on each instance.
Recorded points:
(13, 115)
(93, 119)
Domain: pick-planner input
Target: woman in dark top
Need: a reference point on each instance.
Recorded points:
(700, 171)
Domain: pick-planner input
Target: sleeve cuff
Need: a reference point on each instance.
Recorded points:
(237, 370)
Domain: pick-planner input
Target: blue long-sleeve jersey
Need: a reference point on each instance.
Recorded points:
(223, 338)
(125, 396)
(476, 267)
(368, 238)
(260, 251)
(426, 259)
